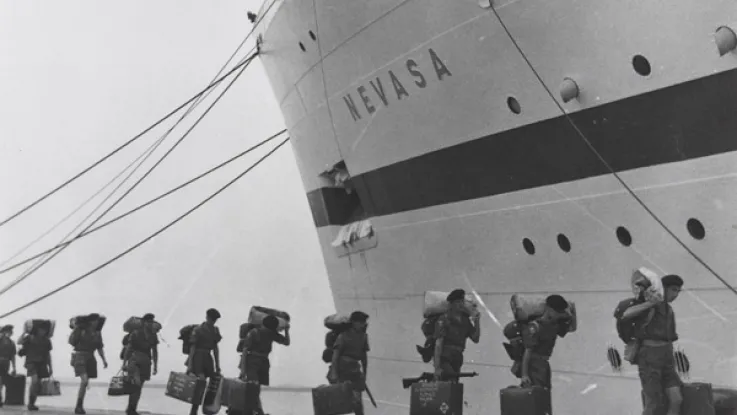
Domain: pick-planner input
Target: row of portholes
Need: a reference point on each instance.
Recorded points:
(639, 63)
(694, 226)
(312, 36)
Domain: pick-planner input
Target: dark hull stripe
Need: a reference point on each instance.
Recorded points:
(681, 122)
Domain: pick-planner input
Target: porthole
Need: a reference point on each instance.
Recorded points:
(696, 229)
(513, 105)
(615, 359)
(641, 65)
(683, 365)
(529, 246)
(312, 35)
(564, 243)
(624, 237)
(301, 46)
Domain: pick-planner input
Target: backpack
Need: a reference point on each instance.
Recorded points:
(330, 338)
(184, 335)
(627, 329)
(243, 333)
(515, 348)
(428, 330)
(428, 326)
(125, 343)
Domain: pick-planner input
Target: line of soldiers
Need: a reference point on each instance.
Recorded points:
(349, 360)
(652, 322)
(650, 342)
(36, 347)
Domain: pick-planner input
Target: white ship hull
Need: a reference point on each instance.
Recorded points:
(453, 180)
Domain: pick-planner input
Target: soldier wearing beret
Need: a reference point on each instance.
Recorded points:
(451, 331)
(655, 362)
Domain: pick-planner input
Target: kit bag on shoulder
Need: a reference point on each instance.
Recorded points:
(81, 321)
(258, 313)
(185, 334)
(534, 400)
(15, 390)
(35, 324)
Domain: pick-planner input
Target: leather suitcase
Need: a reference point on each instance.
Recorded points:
(239, 396)
(517, 400)
(212, 401)
(186, 388)
(334, 399)
(725, 401)
(698, 399)
(436, 398)
(15, 390)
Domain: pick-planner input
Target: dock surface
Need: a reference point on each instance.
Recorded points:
(287, 401)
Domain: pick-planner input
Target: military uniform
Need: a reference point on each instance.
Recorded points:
(454, 327)
(140, 344)
(85, 341)
(352, 347)
(258, 346)
(7, 354)
(539, 337)
(205, 339)
(656, 364)
(37, 355)
(138, 354)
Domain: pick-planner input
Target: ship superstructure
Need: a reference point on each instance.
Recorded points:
(449, 144)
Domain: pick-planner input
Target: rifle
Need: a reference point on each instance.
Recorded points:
(427, 377)
(371, 396)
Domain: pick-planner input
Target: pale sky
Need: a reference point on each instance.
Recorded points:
(79, 78)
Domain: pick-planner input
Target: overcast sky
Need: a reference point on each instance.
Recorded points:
(79, 78)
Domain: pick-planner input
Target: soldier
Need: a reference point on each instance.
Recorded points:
(7, 356)
(204, 341)
(258, 346)
(539, 338)
(351, 347)
(451, 331)
(37, 346)
(86, 339)
(141, 350)
(655, 361)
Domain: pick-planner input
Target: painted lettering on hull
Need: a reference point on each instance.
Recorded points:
(389, 87)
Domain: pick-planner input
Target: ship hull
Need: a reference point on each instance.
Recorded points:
(458, 153)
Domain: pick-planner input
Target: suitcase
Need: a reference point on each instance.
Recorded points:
(334, 399)
(15, 390)
(239, 396)
(185, 388)
(436, 398)
(49, 387)
(698, 399)
(725, 401)
(212, 401)
(534, 400)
